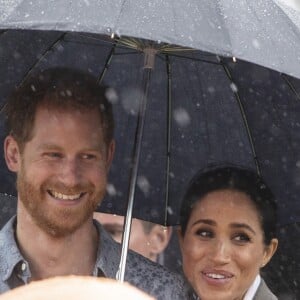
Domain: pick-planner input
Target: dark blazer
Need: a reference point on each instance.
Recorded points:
(264, 293)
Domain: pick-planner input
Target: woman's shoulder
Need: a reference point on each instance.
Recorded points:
(264, 293)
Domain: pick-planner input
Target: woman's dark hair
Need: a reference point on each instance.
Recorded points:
(232, 178)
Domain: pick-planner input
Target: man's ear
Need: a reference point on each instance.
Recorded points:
(110, 154)
(12, 154)
(159, 238)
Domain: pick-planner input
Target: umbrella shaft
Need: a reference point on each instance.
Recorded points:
(133, 178)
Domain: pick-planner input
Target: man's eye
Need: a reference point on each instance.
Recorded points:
(88, 156)
(116, 233)
(54, 154)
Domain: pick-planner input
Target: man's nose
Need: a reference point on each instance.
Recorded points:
(70, 172)
(221, 251)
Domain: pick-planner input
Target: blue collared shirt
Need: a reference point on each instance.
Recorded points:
(140, 272)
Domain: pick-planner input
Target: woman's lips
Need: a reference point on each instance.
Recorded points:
(217, 277)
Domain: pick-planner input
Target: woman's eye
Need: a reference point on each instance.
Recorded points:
(204, 233)
(243, 238)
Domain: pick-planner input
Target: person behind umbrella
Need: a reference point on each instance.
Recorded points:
(227, 234)
(146, 238)
(60, 144)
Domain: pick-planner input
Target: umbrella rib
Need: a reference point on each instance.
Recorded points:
(291, 86)
(248, 130)
(169, 110)
(107, 63)
(38, 61)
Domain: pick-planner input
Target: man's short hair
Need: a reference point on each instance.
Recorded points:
(56, 88)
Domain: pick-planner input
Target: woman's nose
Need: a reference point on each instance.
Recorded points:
(220, 252)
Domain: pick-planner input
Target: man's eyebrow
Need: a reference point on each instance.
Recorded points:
(243, 226)
(49, 146)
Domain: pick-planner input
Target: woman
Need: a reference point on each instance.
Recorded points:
(227, 234)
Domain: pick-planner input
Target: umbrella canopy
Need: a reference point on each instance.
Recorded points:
(261, 31)
(216, 110)
(201, 108)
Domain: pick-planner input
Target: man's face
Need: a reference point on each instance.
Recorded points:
(62, 172)
(139, 239)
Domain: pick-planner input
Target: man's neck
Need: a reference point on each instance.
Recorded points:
(48, 256)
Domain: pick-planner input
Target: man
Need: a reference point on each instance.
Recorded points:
(60, 144)
(146, 238)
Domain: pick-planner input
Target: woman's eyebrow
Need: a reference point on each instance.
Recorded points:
(205, 221)
(243, 225)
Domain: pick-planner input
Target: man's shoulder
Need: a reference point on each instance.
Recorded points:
(154, 278)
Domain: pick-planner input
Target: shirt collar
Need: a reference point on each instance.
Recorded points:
(253, 288)
(10, 253)
(108, 254)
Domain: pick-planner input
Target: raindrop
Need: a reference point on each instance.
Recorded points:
(182, 117)
(170, 210)
(211, 89)
(256, 44)
(69, 93)
(298, 164)
(42, 12)
(111, 95)
(233, 87)
(87, 2)
(17, 55)
(130, 100)
(33, 88)
(143, 184)
(111, 190)
(172, 175)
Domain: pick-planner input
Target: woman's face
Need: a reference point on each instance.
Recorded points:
(223, 246)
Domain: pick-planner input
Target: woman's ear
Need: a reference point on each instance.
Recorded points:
(269, 251)
(12, 154)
